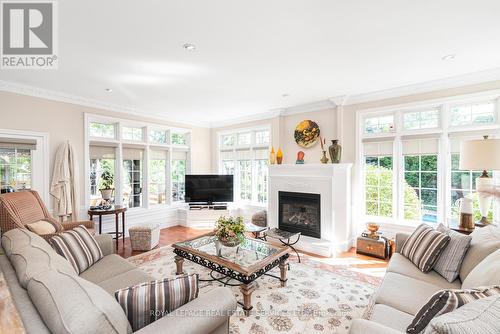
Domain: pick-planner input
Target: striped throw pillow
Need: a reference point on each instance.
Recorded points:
(450, 260)
(147, 302)
(78, 246)
(445, 301)
(424, 246)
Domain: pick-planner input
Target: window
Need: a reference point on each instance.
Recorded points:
(158, 136)
(132, 133)
(157, 177)
(179, 139)
(244, 173)
(378, 171)
(15, 169)
(381, 124)
(426, 180)
(227, 141)
(473, 113)
(227, 162)
(426, 119)
(262, 137)
(247, 161)
(244, 138)
(102, 173)
(102, 130)
(179, 162)
(261, 174)
(420, 179)
(133, 177)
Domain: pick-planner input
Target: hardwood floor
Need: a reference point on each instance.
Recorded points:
(362, 263)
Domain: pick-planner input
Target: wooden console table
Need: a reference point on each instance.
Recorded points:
(114, 210)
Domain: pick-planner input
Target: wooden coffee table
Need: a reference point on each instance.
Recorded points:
(244, 263)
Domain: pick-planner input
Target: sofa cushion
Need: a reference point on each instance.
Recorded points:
(449, 262)
(126, 279)
(79, 247)
(485, 240)
(404, 293)
(148, 302)
(19, 238)
(401, 265)
(424, 246)
(30, 254)
(481, 316)
(70, 304)
(391, 317)
(108, 267)
(445, 301)
(487, 272)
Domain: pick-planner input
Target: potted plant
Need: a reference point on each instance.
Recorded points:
(106, 185)
(230, 231)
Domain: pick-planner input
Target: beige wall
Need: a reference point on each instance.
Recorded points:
(64, 121)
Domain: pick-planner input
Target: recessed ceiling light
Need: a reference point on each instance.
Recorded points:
(448, 57)
(189, 47)
(109, 90)
(285, 95)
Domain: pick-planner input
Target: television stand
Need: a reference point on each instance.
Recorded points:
(202, 217)
(212, 206)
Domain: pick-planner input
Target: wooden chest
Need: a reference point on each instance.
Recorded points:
(373, 247)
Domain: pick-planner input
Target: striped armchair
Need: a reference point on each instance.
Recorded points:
(25, 207)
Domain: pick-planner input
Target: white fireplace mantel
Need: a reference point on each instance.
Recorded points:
(333, 183)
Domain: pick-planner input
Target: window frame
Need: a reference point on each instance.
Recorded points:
(442, 132)
(252, 147)
(146, 144)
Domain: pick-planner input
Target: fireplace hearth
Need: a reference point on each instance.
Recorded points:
(300, 212)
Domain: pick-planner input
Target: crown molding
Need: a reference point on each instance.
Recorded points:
(308, 107)
(21, 89)
(426, 87)
(245, 119)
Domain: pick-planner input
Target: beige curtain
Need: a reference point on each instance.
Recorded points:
(64, 184)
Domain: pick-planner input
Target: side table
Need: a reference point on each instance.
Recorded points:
(381, 248)
(114, 210)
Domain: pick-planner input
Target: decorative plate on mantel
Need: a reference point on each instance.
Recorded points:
(306, 133)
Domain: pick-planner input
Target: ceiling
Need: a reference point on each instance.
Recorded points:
(250, 53)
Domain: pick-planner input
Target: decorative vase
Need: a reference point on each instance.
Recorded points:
(300, 158)
(324, 159)
(230, 242)
(272, 157)
(335, 152)
(279, 156)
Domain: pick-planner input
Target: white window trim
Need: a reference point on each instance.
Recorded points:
(444, 163)
(145, 144)
(40, 160)
(237, 147)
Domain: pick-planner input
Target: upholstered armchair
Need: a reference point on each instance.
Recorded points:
(25, 207)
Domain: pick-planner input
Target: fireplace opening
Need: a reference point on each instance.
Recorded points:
(300, 212)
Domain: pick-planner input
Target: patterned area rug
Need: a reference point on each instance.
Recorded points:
(318, 298)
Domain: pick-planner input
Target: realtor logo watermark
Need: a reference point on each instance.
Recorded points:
(29, 35)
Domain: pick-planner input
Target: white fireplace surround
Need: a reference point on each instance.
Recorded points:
(333, 183)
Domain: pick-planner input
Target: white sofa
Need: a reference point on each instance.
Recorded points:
(405, 288)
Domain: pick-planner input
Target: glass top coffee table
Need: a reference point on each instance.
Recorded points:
(244, 263)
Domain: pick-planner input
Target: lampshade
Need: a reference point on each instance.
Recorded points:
(483, 154)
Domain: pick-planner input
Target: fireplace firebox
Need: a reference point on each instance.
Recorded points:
(300, 212)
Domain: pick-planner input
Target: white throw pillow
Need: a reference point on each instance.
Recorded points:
(481, 316)
(487, 272)
(449, 262)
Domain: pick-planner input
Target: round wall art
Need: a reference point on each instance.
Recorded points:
(306, 133)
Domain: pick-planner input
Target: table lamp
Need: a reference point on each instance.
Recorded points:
(482, 154)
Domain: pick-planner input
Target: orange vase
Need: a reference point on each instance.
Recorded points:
(279, 156)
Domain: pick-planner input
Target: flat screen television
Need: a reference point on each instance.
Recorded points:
(209, 188)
